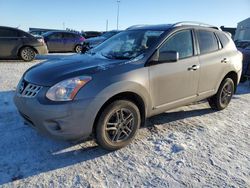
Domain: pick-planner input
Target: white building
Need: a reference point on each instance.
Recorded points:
(243, 30)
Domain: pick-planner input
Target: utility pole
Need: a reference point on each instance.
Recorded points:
(107, 25)
(118, 12)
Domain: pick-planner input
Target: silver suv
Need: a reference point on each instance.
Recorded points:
(110, 90)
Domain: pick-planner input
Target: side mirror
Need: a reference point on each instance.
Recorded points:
(164, 57)
(168, 56)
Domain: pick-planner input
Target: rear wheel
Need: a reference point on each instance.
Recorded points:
(118, 125)
(78, 48)
(223, 96)
(27, 54)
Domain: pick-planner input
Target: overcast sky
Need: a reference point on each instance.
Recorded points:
(92, 14)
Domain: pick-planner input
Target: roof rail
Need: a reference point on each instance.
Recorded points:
(195, 23)
(135, 26)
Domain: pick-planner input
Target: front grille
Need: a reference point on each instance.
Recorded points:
(29, 90)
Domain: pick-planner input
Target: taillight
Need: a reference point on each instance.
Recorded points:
(82, 39)
(41, 40)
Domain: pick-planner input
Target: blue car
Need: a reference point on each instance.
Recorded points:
(244, 47)
(63, 41)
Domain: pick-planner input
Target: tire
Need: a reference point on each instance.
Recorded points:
(223, 96)
(118, 125)
(78, 48)
(27, 54)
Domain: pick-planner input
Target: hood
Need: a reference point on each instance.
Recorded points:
(54, 71)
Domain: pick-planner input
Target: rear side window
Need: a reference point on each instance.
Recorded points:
(56, 36)
(223, 39)
(207, 42)
(181, 42)
(23, 34)
(69, 35)
(8, 33)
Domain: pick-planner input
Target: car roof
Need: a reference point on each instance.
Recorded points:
(150, 27)
(50, 32)
(6, 27)
(16, 29)
(165, 27)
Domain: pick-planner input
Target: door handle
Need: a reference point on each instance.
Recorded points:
(194, 68)
(224, 60)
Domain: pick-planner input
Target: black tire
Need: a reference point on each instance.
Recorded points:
(27, 54)
(78, 48)
(118, 125)
(223, 96)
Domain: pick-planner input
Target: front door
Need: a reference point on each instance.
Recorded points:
(175, 83)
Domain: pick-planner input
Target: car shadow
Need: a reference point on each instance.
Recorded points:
(14, 61)
(173, 116)
(25, 153)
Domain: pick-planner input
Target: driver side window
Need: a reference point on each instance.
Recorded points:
(181, 42)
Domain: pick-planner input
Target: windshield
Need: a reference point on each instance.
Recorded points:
(109, 34)
(127, 44)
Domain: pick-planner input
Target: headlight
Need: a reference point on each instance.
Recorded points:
(67, 89)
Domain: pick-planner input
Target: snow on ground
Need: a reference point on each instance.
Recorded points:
(192, 146)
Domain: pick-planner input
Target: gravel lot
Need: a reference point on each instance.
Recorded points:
(191, 146)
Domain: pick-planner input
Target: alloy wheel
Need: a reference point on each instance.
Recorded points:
(28, 54)
(120, 125)
(226, 94)
(78, 49)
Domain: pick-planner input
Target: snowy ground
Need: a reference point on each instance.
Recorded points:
(192, 146)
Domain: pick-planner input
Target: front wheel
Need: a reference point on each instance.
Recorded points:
(27, 54)
(118, 125)
(223, 96)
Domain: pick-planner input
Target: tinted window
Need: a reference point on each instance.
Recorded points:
(69, 35)
(181, 42)
(8, 33)
(56, 36)
(223, 39)
(207, 42)
(23, 34)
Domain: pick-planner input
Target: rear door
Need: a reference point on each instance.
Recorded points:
(10, 41)
(212, 62)
(70, 41)
(175, 83)
(55, 42)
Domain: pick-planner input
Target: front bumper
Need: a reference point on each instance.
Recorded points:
(41, 50)
(67, 121)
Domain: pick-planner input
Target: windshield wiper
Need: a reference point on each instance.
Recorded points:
(115, 56)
